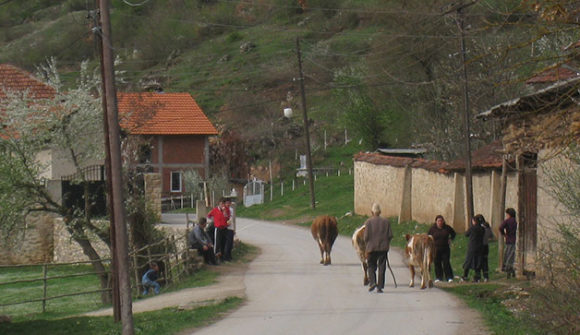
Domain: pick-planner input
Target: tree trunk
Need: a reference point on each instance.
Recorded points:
(80, 237)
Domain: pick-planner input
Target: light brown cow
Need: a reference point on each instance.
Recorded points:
(358, 242)
(419, 252)
(324, 230)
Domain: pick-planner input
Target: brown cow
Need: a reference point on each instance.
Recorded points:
(324, 230)
(358, 242)
(419, 252)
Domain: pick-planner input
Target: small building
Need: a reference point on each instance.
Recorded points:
(175, 132)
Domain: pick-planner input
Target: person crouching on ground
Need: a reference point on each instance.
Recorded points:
(149, 279)
(377, 236)
(442, 236)
(200, 240)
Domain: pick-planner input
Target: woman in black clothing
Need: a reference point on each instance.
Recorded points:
(474, 248)
(442, 235)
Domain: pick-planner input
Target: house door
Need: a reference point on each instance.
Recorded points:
(528, 214)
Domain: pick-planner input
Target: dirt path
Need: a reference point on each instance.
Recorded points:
(230, 284)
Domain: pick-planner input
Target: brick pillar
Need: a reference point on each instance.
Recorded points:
(153, 191)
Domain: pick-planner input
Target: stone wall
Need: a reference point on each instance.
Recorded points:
(33, 245)
(67, 250)
(153, 192)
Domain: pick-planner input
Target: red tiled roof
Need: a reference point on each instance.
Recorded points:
(397, 161)
(552, 75)
(162, 114)
(17, 80)
(486, 157)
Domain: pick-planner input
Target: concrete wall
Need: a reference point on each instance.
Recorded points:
(432, 193)
(378, 183)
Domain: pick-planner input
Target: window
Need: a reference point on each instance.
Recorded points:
(175, 181)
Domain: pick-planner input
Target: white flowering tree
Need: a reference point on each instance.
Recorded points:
(70, 123)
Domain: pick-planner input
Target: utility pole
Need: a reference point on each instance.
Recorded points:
(114, 266)
(120, 253)
(458, 9)
(306, 132)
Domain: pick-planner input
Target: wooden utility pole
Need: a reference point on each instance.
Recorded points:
(306, 132)
(458, 9)
(114, 266)
(112, 138)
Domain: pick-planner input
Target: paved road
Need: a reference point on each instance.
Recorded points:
(289, 292)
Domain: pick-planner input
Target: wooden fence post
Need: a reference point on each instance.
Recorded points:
(44, 288)
(136, 270)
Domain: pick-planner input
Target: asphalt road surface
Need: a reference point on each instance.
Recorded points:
(289, 292)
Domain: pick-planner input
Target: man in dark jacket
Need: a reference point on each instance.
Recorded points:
(508, 230)
(377, 236)
(442, 236)
(200, 240)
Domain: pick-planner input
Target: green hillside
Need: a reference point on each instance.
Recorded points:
(382, 73)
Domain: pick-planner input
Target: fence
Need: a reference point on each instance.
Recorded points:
(280, 187)
(176, 261)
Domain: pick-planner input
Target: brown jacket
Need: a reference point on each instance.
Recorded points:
(378, 234)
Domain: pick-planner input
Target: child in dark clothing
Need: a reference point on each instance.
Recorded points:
(149, 279)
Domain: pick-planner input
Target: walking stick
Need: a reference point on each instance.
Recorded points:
(392, 274)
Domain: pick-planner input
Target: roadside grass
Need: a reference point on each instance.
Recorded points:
(165, 321)
(60, 317)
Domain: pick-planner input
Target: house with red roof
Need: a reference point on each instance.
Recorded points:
(173, 126)
(176, 132)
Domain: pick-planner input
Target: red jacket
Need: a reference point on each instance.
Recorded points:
(219, 220)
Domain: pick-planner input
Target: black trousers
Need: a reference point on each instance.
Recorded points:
(228, 244)
(208, 255)
(220, 241)
(377, 260)
(484, 261)
(442, 264)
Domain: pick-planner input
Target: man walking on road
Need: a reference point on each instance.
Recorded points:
(378, 236)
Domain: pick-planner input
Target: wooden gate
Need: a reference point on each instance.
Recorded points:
(527, 218)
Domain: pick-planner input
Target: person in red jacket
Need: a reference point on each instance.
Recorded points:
(221, 225)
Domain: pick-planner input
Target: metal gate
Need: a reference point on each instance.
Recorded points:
(254, 193)
(73, 191)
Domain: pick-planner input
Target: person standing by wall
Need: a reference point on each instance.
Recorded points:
(474, 249)
(487, 236)
(442, 236)
(220, 226)
(229, 239)
(377, 236)
(508, 229)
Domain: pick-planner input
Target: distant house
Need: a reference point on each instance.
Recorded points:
(15, 79)
(176, 132)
